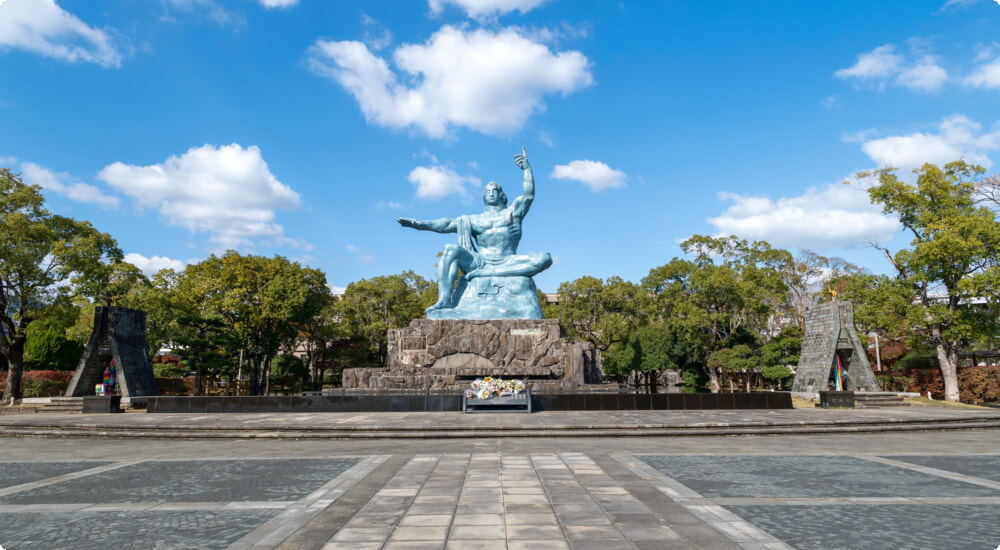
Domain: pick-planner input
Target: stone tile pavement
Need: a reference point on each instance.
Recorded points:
(937, 490)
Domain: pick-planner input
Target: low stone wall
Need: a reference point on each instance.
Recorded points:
(452, 402)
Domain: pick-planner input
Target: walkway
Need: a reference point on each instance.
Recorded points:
(876, 490)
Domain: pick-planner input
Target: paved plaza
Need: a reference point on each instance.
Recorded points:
(912, 490)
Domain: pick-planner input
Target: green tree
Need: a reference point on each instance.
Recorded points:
(48, 348)
(200, 342)
(739, 364)
(948, 264)
(601, 312)
(727, 295)
(263, 302)
(370, 307)
(44, 260)
(316, 338)
(779, 355)
(655, 347)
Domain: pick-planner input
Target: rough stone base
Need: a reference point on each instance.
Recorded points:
(447, 354)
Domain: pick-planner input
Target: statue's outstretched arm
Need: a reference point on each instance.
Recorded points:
(443, 225)
(523, 203)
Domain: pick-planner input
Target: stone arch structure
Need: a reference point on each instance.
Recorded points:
(119, 334)
(830, 337)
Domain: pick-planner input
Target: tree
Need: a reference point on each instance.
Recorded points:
(261, 300)
(653, 348)
(727, 295)
(200, 344)
(44, 260)
(808, 276)
(47, 347)
(601, 312)
(316, 338)
(739, 363)
(780, 354)
(951, 257)
(370, 307)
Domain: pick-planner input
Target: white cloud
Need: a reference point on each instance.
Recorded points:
(485, 80)
(43, 27)
(959, 4)
(377, 36)
(227, 192)
(151, 266)
(883, 65)
(926, 75)
(882, 62)
(438, 182)
(485, 9)
(278, 3)
(215, 12)
(987, 75)
(392, 205)
(595, 175)
(831, 217)
(62, 184)
(364, 256)
(956, 137)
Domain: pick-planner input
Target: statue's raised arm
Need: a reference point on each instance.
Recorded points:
(523, 203)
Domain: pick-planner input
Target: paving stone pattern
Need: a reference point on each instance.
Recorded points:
(805, 477)
(129, 530)
(879, 527)
(192, 481)
(499, 498)
(840, 502)
(984, 466)
(19, 473)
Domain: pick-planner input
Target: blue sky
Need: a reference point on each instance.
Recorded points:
(305, 127)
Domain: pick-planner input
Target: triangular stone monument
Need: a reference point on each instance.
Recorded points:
(832, 344)
(119, 335)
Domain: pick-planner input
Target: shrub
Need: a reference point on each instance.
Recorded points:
(925, 380)
(48, 348)
(45, 383)
(979, 384)
(175, 386)
(165, 370)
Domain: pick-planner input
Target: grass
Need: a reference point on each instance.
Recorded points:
(802, 402)
(923, 401)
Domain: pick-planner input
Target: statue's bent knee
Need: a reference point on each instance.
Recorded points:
(543, 260)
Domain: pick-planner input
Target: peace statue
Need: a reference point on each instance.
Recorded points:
(483, 276)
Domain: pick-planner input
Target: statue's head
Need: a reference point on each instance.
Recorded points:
(493, 195)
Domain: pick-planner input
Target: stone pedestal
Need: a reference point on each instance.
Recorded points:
(447, 354)
(493, 298)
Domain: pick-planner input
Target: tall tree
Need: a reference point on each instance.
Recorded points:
(727, 295)
(954, 247)
(603, 313)
(370, 307)
(44, 258)
(262, 300)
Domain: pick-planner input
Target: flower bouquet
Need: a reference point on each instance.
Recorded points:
(488, 388)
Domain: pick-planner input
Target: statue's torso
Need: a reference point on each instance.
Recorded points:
(497, 234)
